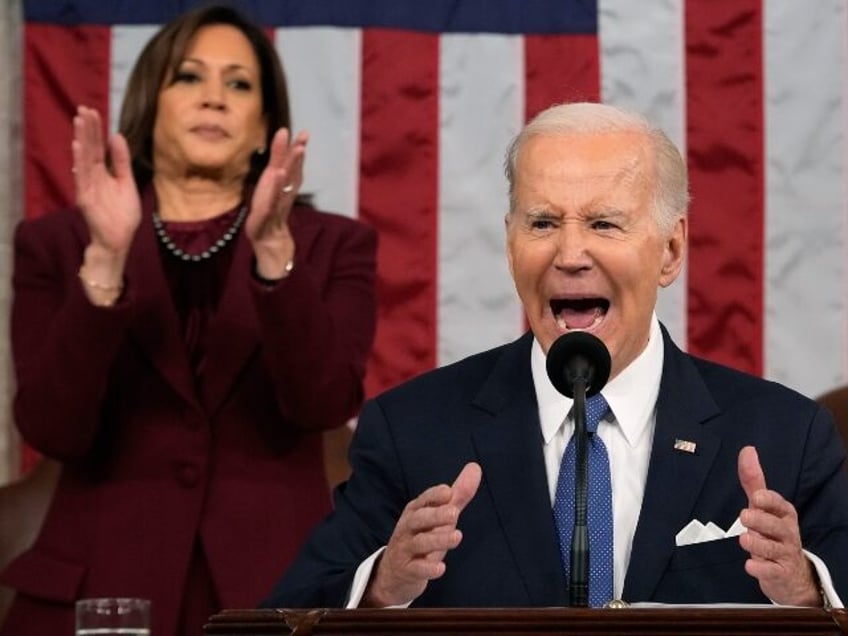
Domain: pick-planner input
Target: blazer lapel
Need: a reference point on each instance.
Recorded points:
(156, 324)
(234, 329)
(675, 477)
(505, 435)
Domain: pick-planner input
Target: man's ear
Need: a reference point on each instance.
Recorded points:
(507, 219)
(674, 252)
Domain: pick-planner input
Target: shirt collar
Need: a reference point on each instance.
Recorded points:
(631, 395)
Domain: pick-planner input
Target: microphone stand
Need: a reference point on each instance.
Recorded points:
(579, 362)
(578, 588)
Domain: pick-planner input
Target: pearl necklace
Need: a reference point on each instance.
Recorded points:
(205, 254)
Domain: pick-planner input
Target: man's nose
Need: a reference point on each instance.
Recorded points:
(572, 247)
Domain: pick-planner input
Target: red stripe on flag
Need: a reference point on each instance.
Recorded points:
(725, 152)
(398, 195)
(560, 68)
(63, 67)
(557, 69)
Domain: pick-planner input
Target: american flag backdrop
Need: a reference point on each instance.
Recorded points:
(410, 105)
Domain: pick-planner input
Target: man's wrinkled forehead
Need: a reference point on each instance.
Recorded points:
(627, 164)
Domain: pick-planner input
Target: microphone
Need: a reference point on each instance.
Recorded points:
(578, 366)
(577, 358)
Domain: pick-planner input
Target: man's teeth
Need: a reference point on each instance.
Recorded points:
(599, 316)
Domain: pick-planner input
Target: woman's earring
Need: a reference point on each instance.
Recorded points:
(260, 150)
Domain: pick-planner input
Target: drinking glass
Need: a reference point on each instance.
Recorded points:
(113, 617)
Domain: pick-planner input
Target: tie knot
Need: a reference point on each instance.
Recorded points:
(596, 409)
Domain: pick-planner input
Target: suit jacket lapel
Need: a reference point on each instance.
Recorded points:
(234, 329)
(156, 324)
(505, 435)
(675, 477)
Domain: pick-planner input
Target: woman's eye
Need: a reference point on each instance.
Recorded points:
(240, 84)
(187, 77)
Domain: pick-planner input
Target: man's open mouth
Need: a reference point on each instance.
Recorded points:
(579, 313)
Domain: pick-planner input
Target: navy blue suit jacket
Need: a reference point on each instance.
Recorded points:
(484, 409)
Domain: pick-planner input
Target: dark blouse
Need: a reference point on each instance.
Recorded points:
(196, 286)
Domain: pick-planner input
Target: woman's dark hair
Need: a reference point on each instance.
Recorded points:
(162, 56)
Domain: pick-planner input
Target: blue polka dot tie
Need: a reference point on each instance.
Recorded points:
(599, 506)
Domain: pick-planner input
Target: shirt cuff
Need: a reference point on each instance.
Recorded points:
(825, 580)
(361, 579)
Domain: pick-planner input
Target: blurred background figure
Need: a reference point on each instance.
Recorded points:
(182, 339)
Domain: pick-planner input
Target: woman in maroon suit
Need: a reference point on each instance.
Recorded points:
(182, 339)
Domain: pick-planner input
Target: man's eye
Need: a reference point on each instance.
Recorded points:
(541, 224)
(604, 225)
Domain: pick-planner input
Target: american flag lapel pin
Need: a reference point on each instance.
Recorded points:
(685, 445)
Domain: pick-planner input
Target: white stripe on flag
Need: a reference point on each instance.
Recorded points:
(645, 72)
(481, 107)
(323, 71)
(127, 43)
(806, 292)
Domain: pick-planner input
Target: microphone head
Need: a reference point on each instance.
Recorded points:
(578, 354)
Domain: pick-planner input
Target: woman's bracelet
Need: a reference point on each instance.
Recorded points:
(270, 282)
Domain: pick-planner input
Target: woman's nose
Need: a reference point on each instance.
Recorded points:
(213, 94)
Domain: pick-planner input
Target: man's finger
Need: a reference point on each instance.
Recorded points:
(433, 496)
(751, 474)
(466, 484)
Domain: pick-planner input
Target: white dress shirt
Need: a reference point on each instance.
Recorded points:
(628, 435)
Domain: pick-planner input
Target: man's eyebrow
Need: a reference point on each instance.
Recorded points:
(542, 213)
(607, 211)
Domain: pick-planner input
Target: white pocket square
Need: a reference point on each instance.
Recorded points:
(697, 532)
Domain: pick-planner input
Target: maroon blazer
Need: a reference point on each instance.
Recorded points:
(154, 458)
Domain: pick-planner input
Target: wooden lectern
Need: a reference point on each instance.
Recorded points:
(703, 621)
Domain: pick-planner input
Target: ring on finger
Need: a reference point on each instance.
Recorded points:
(288, 188)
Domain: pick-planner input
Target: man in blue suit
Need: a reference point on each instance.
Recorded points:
(455, 472)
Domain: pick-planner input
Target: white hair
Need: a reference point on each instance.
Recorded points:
(671, 193)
